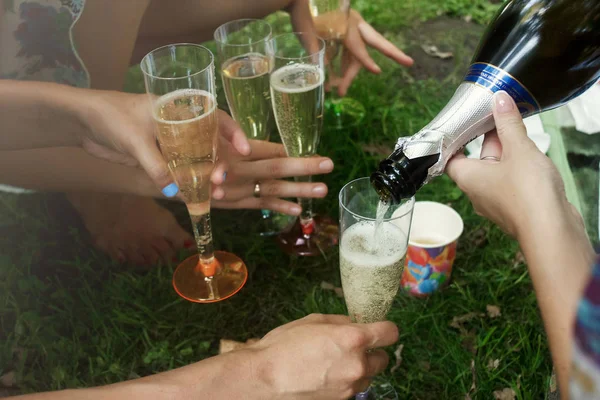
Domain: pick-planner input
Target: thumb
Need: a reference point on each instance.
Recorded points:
(509, 124)
(145, 150)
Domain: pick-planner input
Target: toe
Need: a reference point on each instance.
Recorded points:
(164, 249)
(135, 255)
(180, 239)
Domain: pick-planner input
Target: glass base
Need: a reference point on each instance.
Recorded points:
(273, 223)
(191, 283)
(379, 390)
(345, 112)
(325, 234)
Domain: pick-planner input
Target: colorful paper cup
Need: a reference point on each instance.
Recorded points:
(431, 248)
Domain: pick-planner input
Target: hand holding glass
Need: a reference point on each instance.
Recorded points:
(371, 257)
(331, 18)
(180, 83)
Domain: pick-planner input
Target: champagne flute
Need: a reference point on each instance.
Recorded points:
(245, 67)
(372, 251)
(297, 94)
(330, 18)
(180, 82)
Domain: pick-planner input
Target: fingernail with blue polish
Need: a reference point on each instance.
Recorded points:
(170, 190)
(224, 176)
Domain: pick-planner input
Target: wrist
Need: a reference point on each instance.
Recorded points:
(83, 107)
(261, 372)
(555, 238)
(67, 104)
(553, 214)
(242, 373)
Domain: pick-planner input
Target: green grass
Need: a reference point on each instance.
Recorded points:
(69, 317)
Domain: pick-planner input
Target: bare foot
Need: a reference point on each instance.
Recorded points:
(131, 228)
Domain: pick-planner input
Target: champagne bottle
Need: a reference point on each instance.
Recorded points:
(543, 53)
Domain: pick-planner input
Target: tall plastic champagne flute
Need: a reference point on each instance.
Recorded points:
(297, 95)
(245, 67)
(180, 82)
(372, 252)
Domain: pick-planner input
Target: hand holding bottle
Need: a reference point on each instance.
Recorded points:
(517, 186)
(520, 53)
(513, 184)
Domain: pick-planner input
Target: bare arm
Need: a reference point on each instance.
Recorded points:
(282, 366)
(221, 378)
(559, 256)
(63, 169)
(34, 115)
(73, 169)
(524, 194)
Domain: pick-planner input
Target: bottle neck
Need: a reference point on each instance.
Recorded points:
(399, 177)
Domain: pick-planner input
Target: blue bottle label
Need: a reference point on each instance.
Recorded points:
(495, 79)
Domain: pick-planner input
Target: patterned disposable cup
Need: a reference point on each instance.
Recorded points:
(431, 248)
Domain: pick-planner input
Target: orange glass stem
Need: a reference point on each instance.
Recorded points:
(209, 268)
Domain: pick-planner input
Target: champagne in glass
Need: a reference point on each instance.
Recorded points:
(371, 269)
(331, 24)
(297, 95)
(180, 83)
(246, 84)
(245, 67)
(331, 18)
(298, 100)
(373, 245)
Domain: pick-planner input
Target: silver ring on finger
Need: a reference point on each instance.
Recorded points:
(256, 192)
(491, 158)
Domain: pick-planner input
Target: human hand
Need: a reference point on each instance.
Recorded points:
(323, 357)
(267, 164)
(360, 34)
(513, 184)
(121, 129)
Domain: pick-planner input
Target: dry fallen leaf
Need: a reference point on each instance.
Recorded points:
(398, 354)
(9, 379)
(553, 383)
(473, 385)
(493, 311)
(433, 51)
(519, 259)
(377, 149)
(468, 338)
(505, 394)
(459, 320)
(468, 341)
(425, 365)
(468, 18)
(339, 292)
(226, 345)
(493, 364)
(478, 237)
